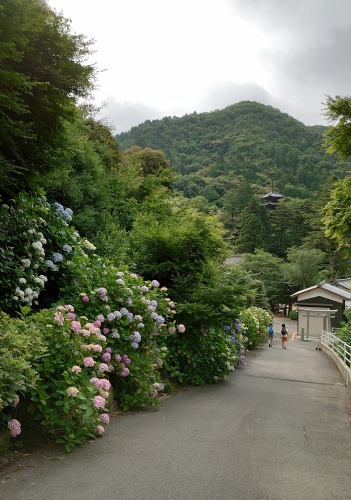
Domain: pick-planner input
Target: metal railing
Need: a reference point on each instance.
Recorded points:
(340, 348)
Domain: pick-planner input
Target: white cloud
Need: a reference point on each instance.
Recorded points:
(165, 58)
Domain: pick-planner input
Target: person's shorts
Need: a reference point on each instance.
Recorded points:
(284, 339)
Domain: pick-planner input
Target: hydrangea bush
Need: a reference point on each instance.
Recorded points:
(197, 358)
(256, 321)
(132, 314)
(110, 337)
(37, 244)
(100, 340)
(72, 396)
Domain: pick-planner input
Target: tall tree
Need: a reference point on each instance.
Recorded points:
(254, 227)
(42, 74)
(338, 136)
(235, 200)
(265, 267)
(304, 267)
(337, 212)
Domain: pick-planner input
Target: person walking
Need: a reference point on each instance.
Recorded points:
(270, 334)
(284, 335)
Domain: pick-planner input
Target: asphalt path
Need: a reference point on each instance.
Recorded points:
(276, 429)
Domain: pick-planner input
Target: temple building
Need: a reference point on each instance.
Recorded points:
(271, 200)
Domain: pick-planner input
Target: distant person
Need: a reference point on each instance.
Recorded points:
(270, 334)
(284, 335)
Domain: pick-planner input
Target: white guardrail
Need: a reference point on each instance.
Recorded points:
(340, 352)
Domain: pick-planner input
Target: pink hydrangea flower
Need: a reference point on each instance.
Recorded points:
(106, 357)
(58, 318)
(85, 298)
(105, 331)
(100, 430)
(105, 419)
(124, 372)
(103, 383)
(71, 316)
(85, 332)
(15, 427)
(108, 349)
(69, 307)
(94, 380)
(76, 369)
(99, 402)
(97, 348)
(118, 358)
(153, 393)
(76, 326)
(15, 401)
(181, 328)
(171, 330)
(155, 283)
(88, 362)
(103, 367)
(133, 275)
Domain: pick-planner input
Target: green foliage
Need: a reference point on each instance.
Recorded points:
(254, 227)
(344, 333)
(338, 137)
(175, 247)
(266, 268)
(41, 77)
(243, 141)
(256, 321)
(290, 224)
(213, 341)
(20, 346)
(217, 299)
(337, 212)
(198, 357)
(304, 267)
(293, 315)
(236, 199)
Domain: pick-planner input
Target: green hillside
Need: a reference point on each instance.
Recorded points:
(246, 141)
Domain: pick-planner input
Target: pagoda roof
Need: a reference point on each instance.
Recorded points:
(272, 194)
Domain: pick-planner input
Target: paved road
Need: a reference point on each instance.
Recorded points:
(276, 429)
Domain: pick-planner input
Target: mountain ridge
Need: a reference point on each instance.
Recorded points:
(247, 140)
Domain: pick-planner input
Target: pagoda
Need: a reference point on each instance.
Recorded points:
(271, 200)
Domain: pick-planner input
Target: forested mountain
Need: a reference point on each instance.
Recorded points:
(247, 141)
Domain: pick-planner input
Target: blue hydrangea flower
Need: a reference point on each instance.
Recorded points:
(57, 257)
(67, 248)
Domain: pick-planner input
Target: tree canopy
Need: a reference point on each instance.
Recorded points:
(42, 75)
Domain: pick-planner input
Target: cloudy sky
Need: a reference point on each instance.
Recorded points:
(161, 58)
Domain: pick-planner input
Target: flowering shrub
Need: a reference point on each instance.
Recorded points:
(237, 335)
(199, 357)
(256, 321)
(73, 391)
(132, 314)
(37, 245)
